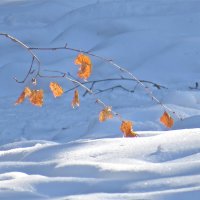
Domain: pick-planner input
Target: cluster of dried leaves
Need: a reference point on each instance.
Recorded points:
(84, 72)
(35, 96)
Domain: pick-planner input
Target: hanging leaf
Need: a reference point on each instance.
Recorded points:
(85, 68)
(126, 128)
(26, 92)
(167, 120)
(36, 97)
(75, 101)
(56, 89)
(105, 114)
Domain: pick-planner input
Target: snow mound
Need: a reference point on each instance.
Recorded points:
(150, 166)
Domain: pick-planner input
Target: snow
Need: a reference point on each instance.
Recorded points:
(58, 153)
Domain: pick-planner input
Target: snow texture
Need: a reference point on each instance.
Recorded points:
(59, 153)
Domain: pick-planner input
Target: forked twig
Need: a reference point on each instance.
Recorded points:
(93, 82)
(27, 48)
(78, 83)
(114, 87)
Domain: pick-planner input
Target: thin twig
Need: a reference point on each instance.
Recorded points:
(114, 87)
(91, 88)
(28, 73)
(34, 57)
(93, 82)
(64, 75)
(149, 92)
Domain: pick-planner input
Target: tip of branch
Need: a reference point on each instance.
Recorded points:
(17, 80)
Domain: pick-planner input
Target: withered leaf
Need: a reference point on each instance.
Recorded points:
(85, 64)
(127, 130)
(105, 114)
(75, 101)
(167, 120)
(26, 93)
(56, 89)
(36, 97)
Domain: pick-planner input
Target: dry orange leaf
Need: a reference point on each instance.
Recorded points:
(105, 114)
(26, 92)
(85, 68)
(75, 101)
(56, 89)
(36, 97)
(167, 120)
(126, 128)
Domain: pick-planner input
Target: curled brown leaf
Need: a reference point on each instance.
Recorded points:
(75, 101)
(105, 114)
(127, 129)
(85, 64)
(167, 120)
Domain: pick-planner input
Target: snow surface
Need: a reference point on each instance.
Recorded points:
(59, 153)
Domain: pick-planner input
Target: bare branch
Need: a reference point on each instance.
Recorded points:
(64, 75)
